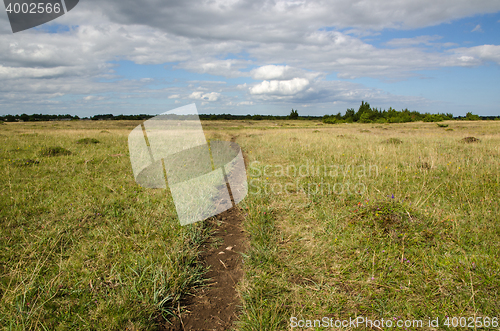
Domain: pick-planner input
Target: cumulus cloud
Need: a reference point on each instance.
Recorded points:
(281, 72)
(479, 54)
(287, 45)
(245, 103)
(280, 87)
(11, 72)
(420, 40)
(93, 97)
(284, 18)
(212, 96)
(225, 68)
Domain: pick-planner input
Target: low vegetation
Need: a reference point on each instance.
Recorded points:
(87, 141)
(54, 151)
(393, 231)
(340, 225)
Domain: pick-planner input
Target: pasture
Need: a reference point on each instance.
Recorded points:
(393, 221)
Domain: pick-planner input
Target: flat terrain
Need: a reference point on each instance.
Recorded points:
(393, 221)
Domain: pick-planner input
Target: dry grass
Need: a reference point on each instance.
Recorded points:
(340, 225)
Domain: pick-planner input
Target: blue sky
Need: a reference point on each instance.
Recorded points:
(255, 57)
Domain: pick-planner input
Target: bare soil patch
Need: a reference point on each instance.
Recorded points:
(215, 306)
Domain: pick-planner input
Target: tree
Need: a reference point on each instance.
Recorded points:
(349, 115)
(294, 114)
(471, 117)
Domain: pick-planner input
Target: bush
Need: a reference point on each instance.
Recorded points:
(471, 117)
(332, 120)
(442, 125)
(433, 118)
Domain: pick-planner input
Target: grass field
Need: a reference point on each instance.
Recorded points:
(393, 221)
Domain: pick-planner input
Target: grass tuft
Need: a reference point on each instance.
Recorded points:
(54, 151)
(24, 162)
(87, 141)
(469, 140)
(394, 141)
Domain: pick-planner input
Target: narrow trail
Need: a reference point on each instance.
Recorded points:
(215, 306)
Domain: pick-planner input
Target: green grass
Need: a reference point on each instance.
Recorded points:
(87, 141)
(418, 239)
(340, 225)
(54, 151)
(82, 246)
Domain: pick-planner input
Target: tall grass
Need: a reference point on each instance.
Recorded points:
(402, 230)
(82, 246)
(418, 238)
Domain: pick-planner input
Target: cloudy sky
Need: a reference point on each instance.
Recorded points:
(255, 57)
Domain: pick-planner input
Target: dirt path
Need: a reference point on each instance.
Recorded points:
(215, 307)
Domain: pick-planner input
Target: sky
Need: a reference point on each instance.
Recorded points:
(255, 57)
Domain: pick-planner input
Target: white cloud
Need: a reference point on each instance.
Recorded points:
(93, 97)
(281, 72)
(479, 54)
(245, 103)
(262, 20)
(270, 72)
(292, 45)
(212, 96)
(12, 72)
(280, 87)
(420, 40)
(225, 68)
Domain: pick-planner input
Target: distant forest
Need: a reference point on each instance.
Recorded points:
(365, 114)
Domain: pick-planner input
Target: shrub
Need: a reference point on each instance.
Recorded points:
(433, 118)
(471, 117)
(442, 125)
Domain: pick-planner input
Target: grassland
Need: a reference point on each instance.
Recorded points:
(398, 221)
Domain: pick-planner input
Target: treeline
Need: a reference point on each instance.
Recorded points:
(293, 115)
(108, 117)
(366, 114)
(67, 117)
